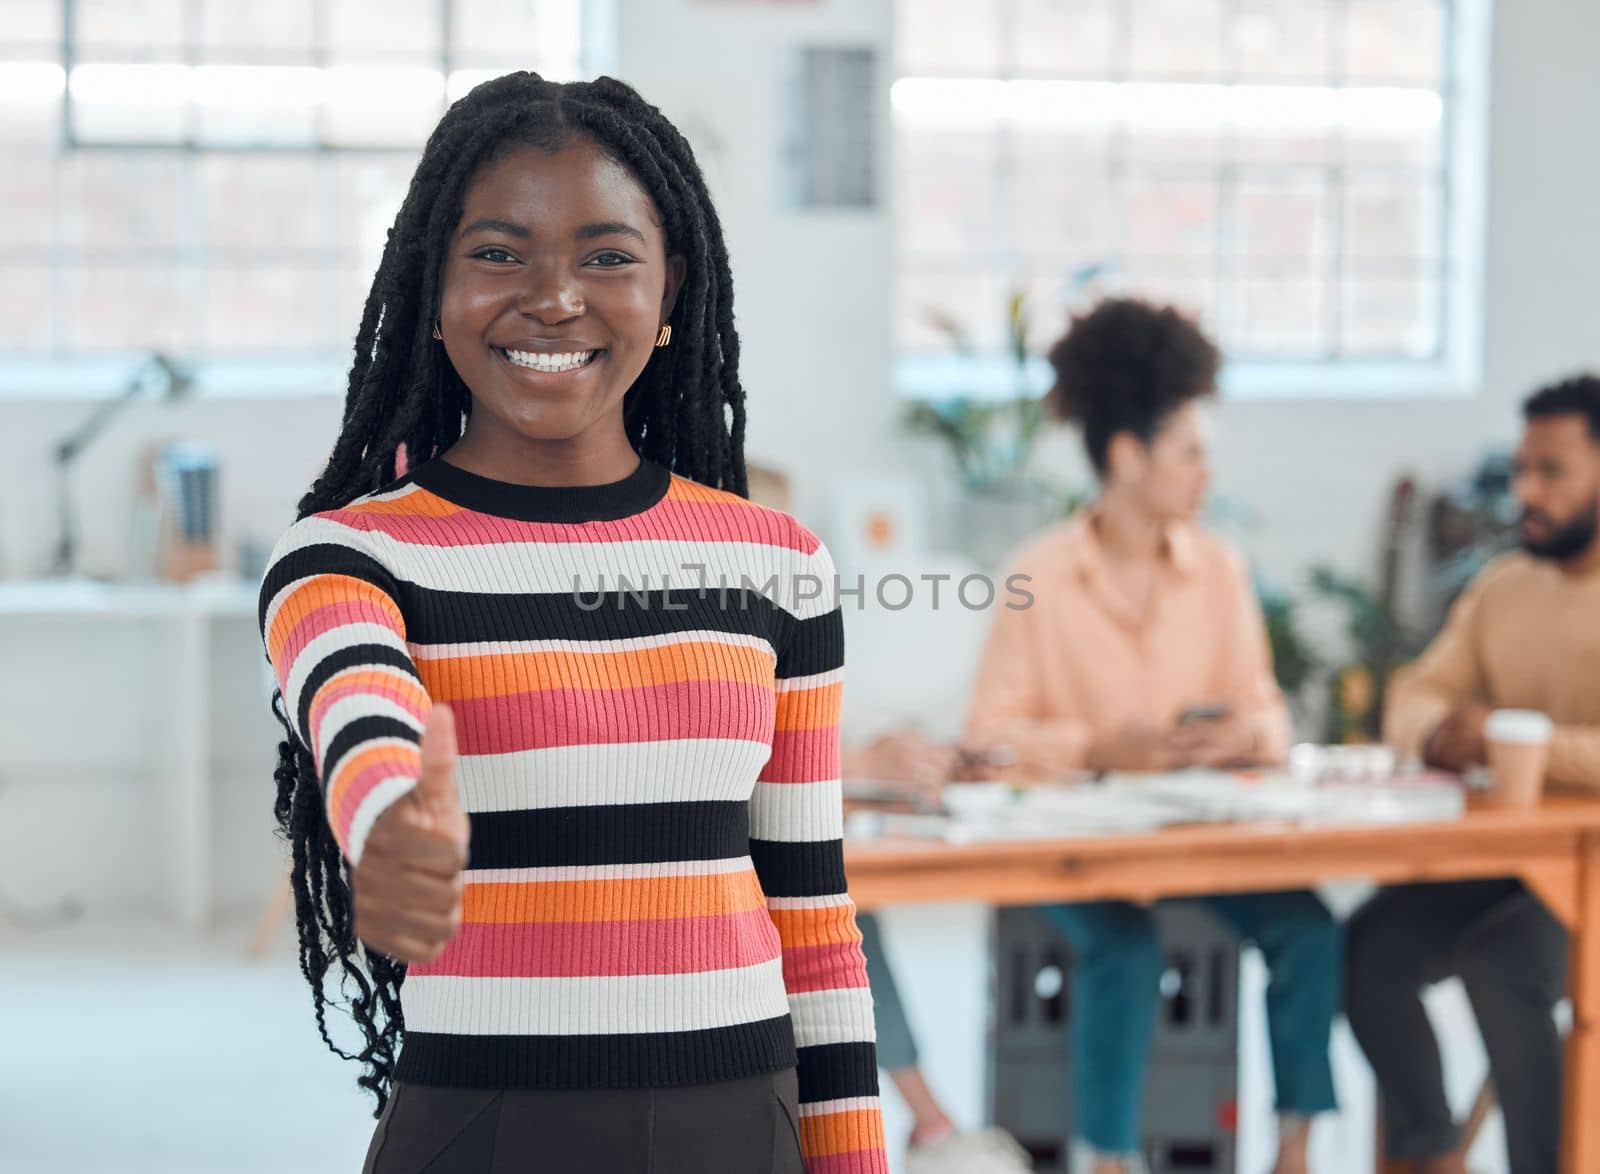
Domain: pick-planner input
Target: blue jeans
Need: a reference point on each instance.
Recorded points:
(897, 1047)
(1116, 973)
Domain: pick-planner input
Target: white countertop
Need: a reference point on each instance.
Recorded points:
(91, 597)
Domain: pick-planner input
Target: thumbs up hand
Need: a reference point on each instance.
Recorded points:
(408, 884)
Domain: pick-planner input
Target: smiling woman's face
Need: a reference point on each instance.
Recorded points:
(555, 284)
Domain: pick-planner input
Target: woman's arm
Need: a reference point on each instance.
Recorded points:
(337, 643)
(796, 844)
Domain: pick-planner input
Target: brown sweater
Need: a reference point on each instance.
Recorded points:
(1524, 635)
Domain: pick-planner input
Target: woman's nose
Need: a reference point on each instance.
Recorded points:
(551, 298)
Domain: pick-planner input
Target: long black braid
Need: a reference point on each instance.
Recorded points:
(686, 411)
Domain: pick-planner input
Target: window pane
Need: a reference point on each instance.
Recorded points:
(27, 307)
(28, 195)
(267, 309)
(1064, 211)
(973, 300)
(1382, 315)
(1273, 318)
(1191, 289)
(1283, 39)
(382, 105)
(124, 202)
(542, 35)
(127, 307)
(143, 103)
(237, 31)
(1414, 141)
(255, 105)
(34, 27)
(1283, 229)
(1062, 36)
(1172, 220)
(947, 195)
(406, 31)
(30, 103)
(1395, 40)
(127, 28)
(367, 193)
(947, 35)
(264, 203)
(1176, 38)
(1397, 219)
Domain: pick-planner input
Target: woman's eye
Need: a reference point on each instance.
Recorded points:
(494, 254)
(611, 259)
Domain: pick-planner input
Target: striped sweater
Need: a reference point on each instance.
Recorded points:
(646, 680)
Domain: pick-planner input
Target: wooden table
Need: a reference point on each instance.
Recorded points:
(1554, 848)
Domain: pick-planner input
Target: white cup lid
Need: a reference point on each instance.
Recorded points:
(1518, 725)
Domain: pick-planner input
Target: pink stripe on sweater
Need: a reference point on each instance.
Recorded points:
(405, 761)
(680, 521)
(854, 1162)
(581, 949)
(803, 756)
(405, 694)
(833, 966)
(591, 717)
(328, 617)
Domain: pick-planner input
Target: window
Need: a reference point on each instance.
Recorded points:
(1298, 173)
(215, 180)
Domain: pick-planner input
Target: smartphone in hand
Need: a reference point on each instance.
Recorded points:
(1209, 712)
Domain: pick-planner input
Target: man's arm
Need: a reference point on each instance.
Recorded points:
(1446, 682)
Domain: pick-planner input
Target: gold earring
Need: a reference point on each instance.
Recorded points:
(436, 333)
(665, 336)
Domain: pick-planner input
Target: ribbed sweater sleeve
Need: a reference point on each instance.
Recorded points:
(796, 832)
(336, 640)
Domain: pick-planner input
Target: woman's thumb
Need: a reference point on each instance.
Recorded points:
(437, 785)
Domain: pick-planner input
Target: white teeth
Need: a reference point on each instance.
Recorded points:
(540, 361)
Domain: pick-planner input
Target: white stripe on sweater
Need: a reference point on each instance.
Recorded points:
(841, 1016)
(609, 872)
(566, 568)
(797, 812)
(683, 770)
(601, 1005)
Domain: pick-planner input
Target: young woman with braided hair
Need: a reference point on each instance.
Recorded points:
(560, 774)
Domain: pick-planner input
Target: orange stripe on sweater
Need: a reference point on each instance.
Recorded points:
(840, 1133)
(499, 674)
(323, 591)
(810, 709)
(418, 504)
(400, 689)
(633, 899)
(407, 760)
(816, 927)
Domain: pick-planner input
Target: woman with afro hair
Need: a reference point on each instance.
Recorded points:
(1144, 650)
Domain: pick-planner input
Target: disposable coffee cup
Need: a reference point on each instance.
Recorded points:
(1519, 747)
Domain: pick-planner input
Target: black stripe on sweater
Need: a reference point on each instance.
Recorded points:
(616, 833)
(811, 868)
(322, 558)
(354, 656)
(831, 1072)
(465, 617)
(360, 731)
(655, 1060)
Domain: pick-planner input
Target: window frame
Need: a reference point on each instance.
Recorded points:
(1453, 372)
(33, 376)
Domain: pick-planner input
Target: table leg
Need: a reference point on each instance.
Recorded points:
(1581, 1116)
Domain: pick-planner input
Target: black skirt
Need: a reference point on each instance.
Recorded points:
(748, 1126)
